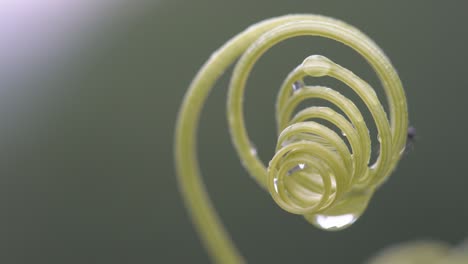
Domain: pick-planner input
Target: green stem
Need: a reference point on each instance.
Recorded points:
(252, 43)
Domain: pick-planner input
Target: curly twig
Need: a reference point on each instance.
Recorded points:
(313, 173)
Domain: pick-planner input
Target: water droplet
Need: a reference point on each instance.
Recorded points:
(317, 66)
(296, 86)
(344, 213)
(275, 182)
(287, 142)
(336, 222)
(343, 133)
(299, 167)
(253, 151)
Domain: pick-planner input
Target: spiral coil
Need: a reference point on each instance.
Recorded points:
(328, 169)
(313, 172)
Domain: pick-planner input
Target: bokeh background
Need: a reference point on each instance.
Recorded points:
(89, 93)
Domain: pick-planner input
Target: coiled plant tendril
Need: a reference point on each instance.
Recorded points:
(313, 172)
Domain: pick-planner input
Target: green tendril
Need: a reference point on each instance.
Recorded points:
(313, 172)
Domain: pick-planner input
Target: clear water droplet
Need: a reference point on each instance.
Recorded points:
(335, 222)
(296, 86)
(287, 142)
(299, 167)
(275, 182)
(343, 133)
(317, 65)
(344, 213)
(253, 151)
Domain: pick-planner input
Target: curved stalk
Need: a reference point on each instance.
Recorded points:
(313, 173)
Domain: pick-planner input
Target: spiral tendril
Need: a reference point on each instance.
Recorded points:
(313, 172)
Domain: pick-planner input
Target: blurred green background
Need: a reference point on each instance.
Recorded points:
(87, 172)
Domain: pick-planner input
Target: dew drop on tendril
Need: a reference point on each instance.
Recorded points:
(296, 86)
(345, 213)
(299, 167)
(253, 151)
(333, 223)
